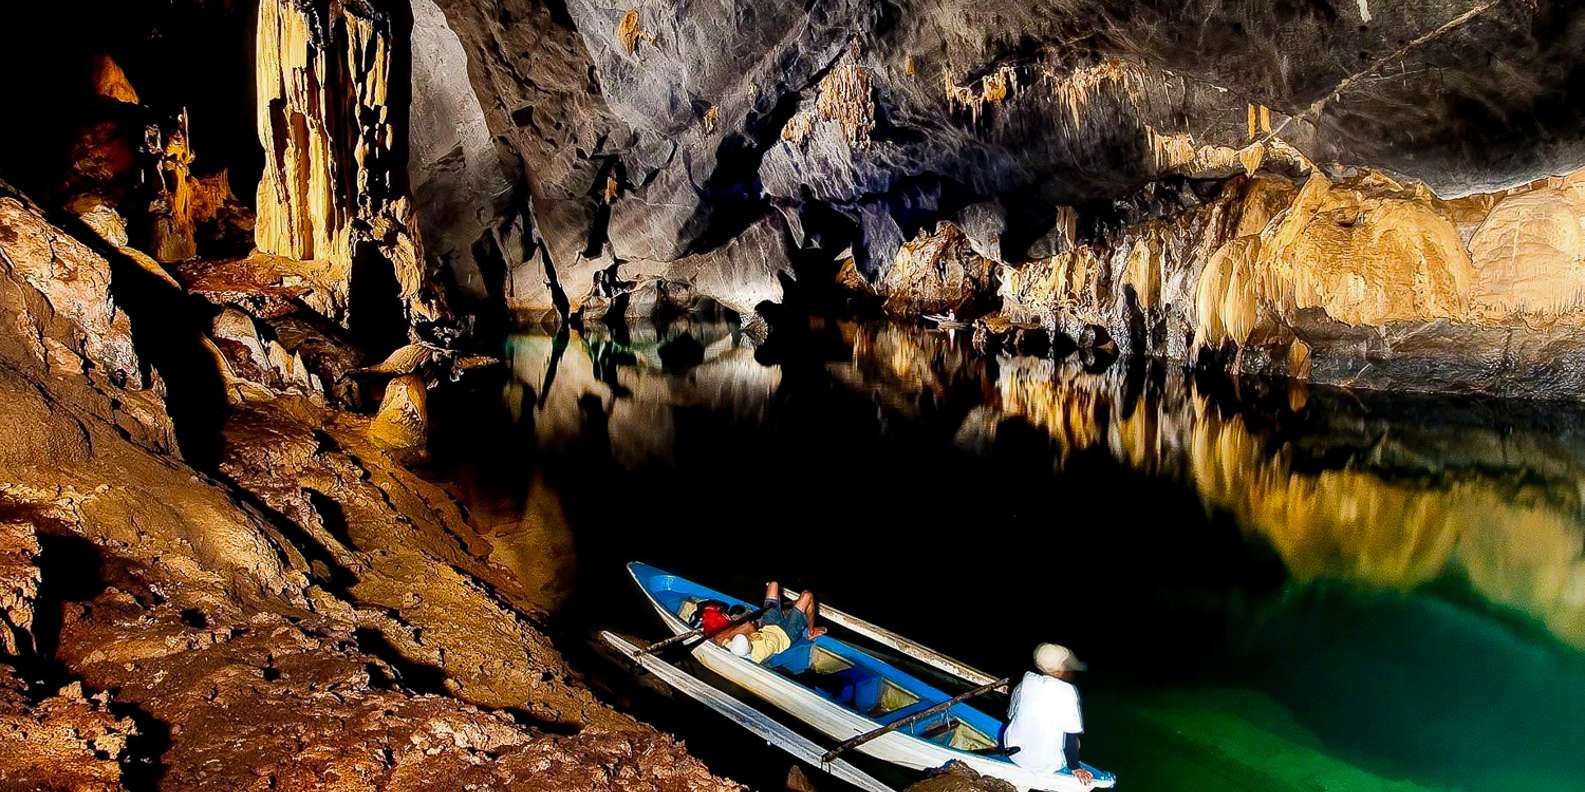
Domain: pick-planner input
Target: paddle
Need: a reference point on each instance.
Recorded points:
(698, 631)
(895, 725)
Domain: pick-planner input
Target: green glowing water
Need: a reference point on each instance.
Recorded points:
(1363, 691)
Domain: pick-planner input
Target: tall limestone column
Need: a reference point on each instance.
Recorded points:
(333, 79)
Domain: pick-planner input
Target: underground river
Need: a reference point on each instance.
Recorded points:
(1276, 588)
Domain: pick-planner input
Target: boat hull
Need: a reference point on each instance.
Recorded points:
(834, 720)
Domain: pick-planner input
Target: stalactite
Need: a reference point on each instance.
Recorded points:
(844, 97)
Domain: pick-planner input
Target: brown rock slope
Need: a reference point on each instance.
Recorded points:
(315, 618)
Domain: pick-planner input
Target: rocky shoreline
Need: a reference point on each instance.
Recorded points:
(309, 615)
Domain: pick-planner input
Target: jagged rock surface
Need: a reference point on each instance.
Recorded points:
(316, 616)
(463, 194)
(1363, 282)
(66, 741)
(332, 83)
(869, 121)
(937, 273)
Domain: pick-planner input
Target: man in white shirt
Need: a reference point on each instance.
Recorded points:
(1043, 721)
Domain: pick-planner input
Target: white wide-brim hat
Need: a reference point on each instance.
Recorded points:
(1053, 658)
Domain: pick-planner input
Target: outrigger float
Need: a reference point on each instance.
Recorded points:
(846, 693)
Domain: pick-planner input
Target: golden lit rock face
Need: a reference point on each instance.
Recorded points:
(19, 585)
(75, 328)
(1367, 253)
(1518, 539)
(403, 418)
(67, 740)
(332, 188)
(1366, 273)
(301, 214)
(1529, 254)
(112, 83)
(844, 99)
(937, 273)
(990, 89)
(630, 32)
(172, 211)
(1153, 268)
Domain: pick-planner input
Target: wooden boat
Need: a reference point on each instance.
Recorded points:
(844, 691)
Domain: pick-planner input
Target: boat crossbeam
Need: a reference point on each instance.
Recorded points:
(855, 742)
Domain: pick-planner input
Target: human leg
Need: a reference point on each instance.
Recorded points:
(806, 605)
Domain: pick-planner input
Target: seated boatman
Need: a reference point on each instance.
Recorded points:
(779, 630)
(1043, 720)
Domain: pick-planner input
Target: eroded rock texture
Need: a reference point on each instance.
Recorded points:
(655, 134)
(333, 104)
(465, 199)
(1364, 281)
(313, 616)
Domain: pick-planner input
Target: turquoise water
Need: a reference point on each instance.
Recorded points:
(1276, 588)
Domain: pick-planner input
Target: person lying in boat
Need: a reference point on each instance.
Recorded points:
(783, 629)
(1043, 721)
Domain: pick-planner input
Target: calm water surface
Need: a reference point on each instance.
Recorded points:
(1276, 588)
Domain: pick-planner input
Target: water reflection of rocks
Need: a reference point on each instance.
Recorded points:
(627, 386)
(1392, 492)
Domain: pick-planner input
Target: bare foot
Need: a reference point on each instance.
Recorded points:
(816, 632)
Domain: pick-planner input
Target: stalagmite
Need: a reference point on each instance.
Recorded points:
(403, 419)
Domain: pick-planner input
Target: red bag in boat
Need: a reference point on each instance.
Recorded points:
(714, 618)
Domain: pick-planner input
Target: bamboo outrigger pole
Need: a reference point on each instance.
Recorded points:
(922, 714)
(743, 715)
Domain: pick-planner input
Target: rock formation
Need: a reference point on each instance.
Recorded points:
(165, 615)
(937, 273)
(313, 601)
(1364, 281)
(471, 228)
(649, 136)
(333, 110)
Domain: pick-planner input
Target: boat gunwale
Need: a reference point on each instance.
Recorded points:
(848, 651)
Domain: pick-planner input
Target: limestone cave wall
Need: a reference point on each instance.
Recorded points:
(423, 168)
(647, 141)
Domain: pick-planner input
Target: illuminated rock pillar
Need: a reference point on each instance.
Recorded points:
(332, 117)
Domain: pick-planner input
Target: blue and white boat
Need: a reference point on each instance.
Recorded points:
(844, 691)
